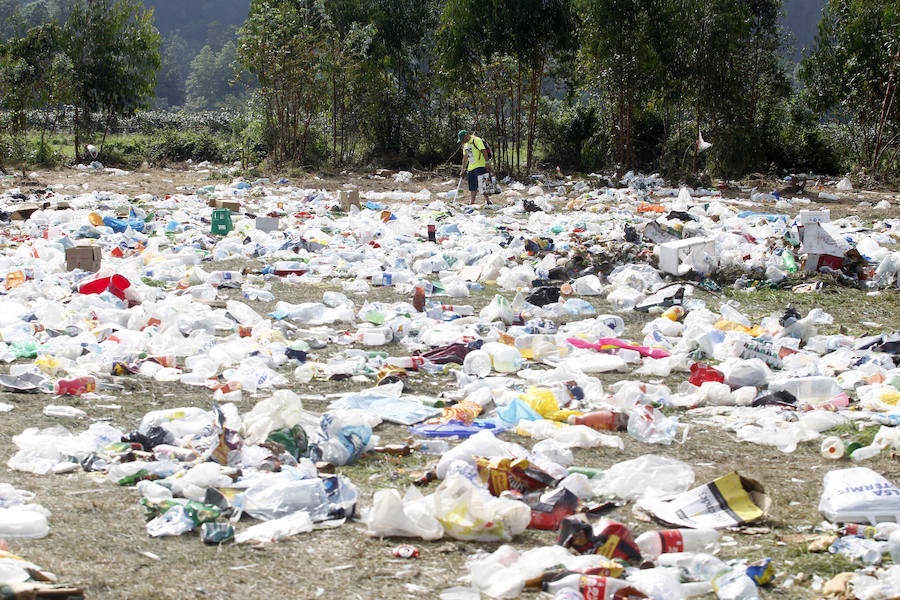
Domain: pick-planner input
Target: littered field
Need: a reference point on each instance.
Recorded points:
(98, 539)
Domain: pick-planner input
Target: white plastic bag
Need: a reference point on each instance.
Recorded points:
(647, 476)
(470, 513)
(409, 516)
(743, 372)
(499, 308)
(283, 409)
(272, 531)
(857, 495)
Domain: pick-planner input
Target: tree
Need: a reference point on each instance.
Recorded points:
(30, 77)
(175, 62)
(114, 51)
(854, 77)
(348, 41)
(473, 34)
(399, 62)
(280, 43)
(211, 82)
(617, 59)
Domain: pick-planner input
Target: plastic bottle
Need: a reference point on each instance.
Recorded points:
(419, 298)
(868, 551)
(701, 373)
(75, 387)
(667, 541)
(504, 359)
(406, 362)
(217, 278)
(866, 452)
(768, 352)
(832, 447)
(434, 447)
(536, 346)
(477, 362)
(734, 584)
(376, 336)
(590, 586)
(463, 310)
(601, 420)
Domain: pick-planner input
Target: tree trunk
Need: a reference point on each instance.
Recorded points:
(886, 105)
(537, 77)
(76, 128)
(309, 115)
(109, 116)
(518, 115)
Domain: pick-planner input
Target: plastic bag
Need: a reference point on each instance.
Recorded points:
(343, 436)
(647, 424)
(483, 443)
(410, 516)
(645, 477)
(740, 373)
(569, 436)
(470, 513)
(283, 410)
(857, 495)
(499, 308)
(272, 531)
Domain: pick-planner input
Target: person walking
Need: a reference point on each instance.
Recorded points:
(476, 160)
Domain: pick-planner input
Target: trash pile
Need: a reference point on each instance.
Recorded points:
(459, 325)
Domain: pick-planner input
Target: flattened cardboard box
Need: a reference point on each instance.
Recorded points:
(86, 258)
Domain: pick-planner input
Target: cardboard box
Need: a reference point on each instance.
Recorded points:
(348, 198)
(267, 224)
(22, 212)
(86, 258)
(232, 205)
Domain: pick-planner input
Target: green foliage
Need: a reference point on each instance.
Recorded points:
(516, 41)
(26, 72)
(114, 52)
(212, 84)
(854, 76)
(573, 137)
(179, 146)
(809, 145)
(280, 43)
(611, 84)
(175, 60)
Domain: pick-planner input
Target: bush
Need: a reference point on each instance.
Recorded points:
(179, 146)
(572, 137)
(809, 145)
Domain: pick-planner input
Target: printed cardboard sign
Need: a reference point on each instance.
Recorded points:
(728, 501)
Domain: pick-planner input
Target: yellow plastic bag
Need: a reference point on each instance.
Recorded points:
(542, 401)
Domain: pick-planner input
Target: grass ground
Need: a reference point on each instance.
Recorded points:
(98, 539)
